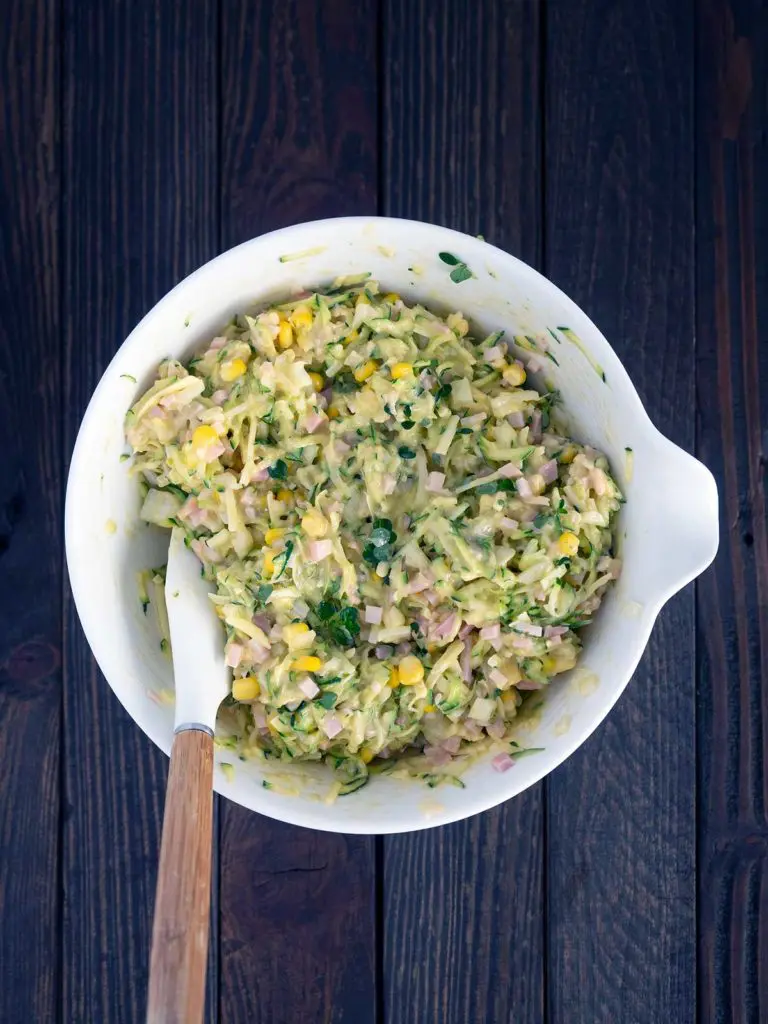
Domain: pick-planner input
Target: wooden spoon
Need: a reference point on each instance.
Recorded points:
(182, 904)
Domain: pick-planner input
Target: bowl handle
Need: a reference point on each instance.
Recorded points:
(687, 531)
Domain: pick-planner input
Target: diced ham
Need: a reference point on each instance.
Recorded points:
(502, 763)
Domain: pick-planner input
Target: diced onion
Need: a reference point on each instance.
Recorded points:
(549, 471)
(309, 687)
(320, 549)
(373, 614)
(331, 726)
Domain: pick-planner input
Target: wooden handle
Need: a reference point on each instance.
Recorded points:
(182, 904)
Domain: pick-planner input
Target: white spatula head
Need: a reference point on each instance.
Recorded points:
(197, 639)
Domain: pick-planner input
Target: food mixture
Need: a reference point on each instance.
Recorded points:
(404, 544)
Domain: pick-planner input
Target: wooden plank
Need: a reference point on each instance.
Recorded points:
(463, 921)
(732, 372)
(298, 142)
(139, 213)
(619, 213)
(31, 487)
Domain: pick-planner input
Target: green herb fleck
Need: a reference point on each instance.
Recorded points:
(494, 486)
(279, 471)
(524, 458)
(443, 392)
(284, 558)
(335, 623)
(344, 382)
(380, 545)
(516, 751)
(263, 593)
(460, 273)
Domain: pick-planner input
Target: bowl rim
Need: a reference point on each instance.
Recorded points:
(482, 800)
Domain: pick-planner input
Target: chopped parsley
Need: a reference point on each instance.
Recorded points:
(380, 544)
(460, 272)
(335, 623)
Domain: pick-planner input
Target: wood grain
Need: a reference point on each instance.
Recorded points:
(139, 212)
(463, 906)
(180, 926)
(619, 240)
(31, 484)
(732, 369)
(298, 129)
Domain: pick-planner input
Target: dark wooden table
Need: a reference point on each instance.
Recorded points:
(621, 146)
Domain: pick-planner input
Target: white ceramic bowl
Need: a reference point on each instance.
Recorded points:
(668, 528)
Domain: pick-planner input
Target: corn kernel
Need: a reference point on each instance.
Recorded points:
(429, 708)
(269, 563)
(245, 689)
(317, 380)
(400, 370)
(333, 412)
(365, 371)
(512, 671)
(203, 436)
(284, 334)
(366, 755)
(352, 336)
(284, 495)
(568, 454)
(314, 524)
(392, 297)
(394, 679)
(410, 670)
(514, 375)
(301, 317)
(568, 543)
(232, 369)
(294, 632)
(549, 664)
(273, 534)
(307, 663)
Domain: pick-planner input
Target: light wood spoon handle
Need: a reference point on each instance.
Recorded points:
(182, 904)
